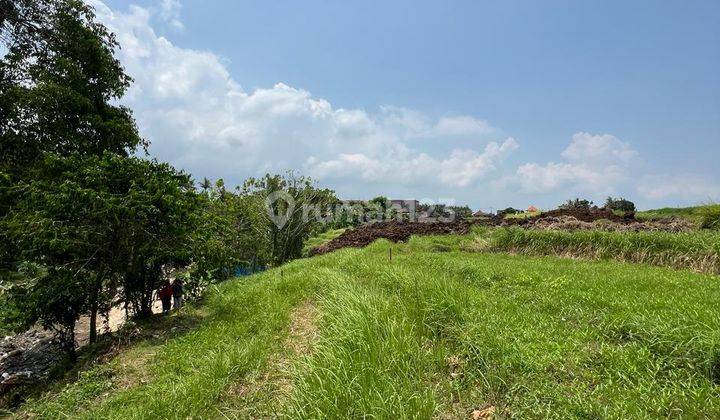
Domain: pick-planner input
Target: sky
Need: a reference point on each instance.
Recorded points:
(486, 103)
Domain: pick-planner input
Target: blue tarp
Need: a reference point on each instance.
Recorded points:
(246, 271)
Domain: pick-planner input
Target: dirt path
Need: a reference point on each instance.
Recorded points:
(116, 319)
(270, 388)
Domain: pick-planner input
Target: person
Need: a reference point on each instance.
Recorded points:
(177, 289)
(165, 293)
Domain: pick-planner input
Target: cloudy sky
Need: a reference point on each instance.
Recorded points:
(487, 103)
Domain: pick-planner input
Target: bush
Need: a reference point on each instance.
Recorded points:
(620, 204)
(709, 216)
(508, 210)
(576, 204)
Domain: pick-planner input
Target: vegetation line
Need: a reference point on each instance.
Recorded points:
(697, 251)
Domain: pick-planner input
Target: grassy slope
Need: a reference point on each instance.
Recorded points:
(433, 332)
(699, 251)
(321, 239)
(693, 213)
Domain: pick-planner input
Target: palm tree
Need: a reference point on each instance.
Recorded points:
(205, 185)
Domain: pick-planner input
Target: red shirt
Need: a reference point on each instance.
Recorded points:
(165, 292)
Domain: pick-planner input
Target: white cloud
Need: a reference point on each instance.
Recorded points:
(461, 126)
(684, 186)
(199, 118)
(601, 149)
(595, 164)
(461, 169)
(170, 12)
(412, 124)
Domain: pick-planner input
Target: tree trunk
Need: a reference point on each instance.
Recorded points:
(93, 321)
(94, 296)
(68, 342)
(93, 311)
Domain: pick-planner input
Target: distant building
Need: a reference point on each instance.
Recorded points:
(532, 209)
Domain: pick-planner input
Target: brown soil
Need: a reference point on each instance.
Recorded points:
(393, 231)
(570, 223)
(579, 214)
(596, 219)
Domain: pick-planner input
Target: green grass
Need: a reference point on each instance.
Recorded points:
(523, 215)
(697, 214)
(699, 251)
(321, 239)
(433, 332)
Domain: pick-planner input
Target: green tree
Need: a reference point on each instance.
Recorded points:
(292, 209)
(98, 225)
(230, 233)
(377, 208)
(576, 204)
(460, 212)
(619, 204)
(59, 82)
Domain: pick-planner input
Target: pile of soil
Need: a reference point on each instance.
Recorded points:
(27, 358)
(570, 223)
(393, 231)
(583, 215)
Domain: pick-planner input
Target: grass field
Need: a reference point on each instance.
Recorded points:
(434, 332)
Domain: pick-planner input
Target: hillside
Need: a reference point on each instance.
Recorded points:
(696, 213)
(433, 331)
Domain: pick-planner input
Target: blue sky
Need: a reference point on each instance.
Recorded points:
(489, 103)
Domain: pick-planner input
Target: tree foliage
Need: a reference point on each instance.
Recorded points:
(99, 224)
(619, 204)
(291, 209)
(229, 235)
(576, 204)
(58, 83)
(85, 224)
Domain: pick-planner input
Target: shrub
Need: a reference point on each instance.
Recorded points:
(576, 204)
(619, 204)
(709, 216)
(508, 210)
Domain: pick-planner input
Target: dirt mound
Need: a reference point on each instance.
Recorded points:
(583, 215)
(570, 223)
(392, 231)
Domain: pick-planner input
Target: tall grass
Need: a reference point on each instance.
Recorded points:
(698, 251)
(706, 216)
(432, 333)
(709, 216)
